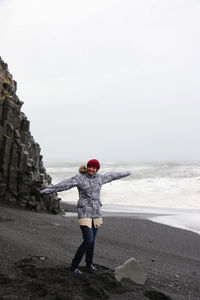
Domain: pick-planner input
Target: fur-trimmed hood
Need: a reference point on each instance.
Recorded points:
(82, 169)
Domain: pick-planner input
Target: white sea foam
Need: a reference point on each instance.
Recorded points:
(157, 185)
(185, 221)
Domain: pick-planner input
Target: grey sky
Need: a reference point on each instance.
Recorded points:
(112, 80)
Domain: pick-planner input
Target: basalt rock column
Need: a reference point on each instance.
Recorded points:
(22, 174)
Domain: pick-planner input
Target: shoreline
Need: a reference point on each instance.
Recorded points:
(169, 256)
(185, 219)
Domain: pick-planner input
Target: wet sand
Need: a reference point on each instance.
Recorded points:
(36, 251)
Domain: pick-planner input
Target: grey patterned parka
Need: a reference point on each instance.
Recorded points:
(89, 187)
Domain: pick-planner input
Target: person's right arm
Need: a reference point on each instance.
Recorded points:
(61, 186)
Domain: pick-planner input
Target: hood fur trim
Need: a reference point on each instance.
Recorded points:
(82, 169)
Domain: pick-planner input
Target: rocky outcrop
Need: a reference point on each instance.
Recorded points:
(22, 174)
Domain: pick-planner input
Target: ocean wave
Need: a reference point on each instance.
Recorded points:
(156, 185)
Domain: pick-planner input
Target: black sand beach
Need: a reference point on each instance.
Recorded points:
(36, 251)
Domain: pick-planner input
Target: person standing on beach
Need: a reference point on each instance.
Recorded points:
(88, 183)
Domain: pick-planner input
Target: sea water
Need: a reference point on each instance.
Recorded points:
(170, 190)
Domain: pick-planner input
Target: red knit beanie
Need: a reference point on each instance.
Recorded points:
(93, 163)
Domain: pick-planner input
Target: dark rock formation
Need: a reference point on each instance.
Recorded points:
(22, 174)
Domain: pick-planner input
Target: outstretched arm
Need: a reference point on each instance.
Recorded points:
(113, 176)
(61, 186)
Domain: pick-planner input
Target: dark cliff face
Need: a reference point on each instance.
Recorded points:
(22, 174)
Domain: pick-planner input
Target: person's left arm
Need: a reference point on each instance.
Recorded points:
(108, 177)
